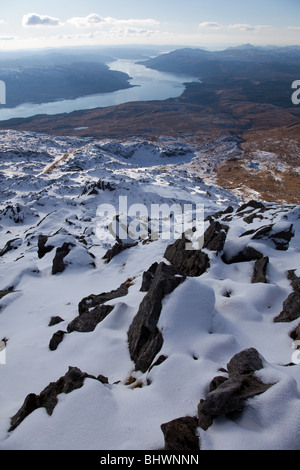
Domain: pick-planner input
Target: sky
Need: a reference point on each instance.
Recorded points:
(202, 23)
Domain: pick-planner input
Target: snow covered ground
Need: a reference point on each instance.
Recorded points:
(53, 187)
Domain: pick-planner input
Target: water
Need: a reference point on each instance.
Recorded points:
(148, 85)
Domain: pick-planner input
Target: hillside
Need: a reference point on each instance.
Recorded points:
(139, 343)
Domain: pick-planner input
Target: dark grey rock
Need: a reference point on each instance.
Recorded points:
(31, 403)
(88, 320)
(43, 249)
(148, 277)
(59, 265)
(245, 362)
(47, 399)
(144, 338)
(189, 262)
(116, 249)
(55, 320)
(11, 245)
(252, 204)
(215, 236)
(56, 340)
(228, 395)
(95, 300)
(291, 308)
(246, 255)
(181, 434)
(260, 270)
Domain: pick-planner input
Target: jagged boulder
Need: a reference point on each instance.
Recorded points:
(188, 262)
(252, 204)
(118, 247)
(291, 309)
(56, 340)
(88, 320)
(47, 399)
(181, 434)
(228, 395)
(11, 245)
(55, 320)
(245, 362)
(148, 277)
(59, 265)
(215, 236)
(245, 255)
(260, 270)
(43, 248)
(95, 300)
(144, 338)
(291, 305)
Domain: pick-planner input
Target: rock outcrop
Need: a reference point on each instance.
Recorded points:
(144, 338)
(181, 434)
(47, 399)
(228, 395)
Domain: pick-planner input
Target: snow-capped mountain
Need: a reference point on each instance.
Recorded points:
(141, 344)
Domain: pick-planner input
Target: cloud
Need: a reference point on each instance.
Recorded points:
(210, 24)
(249, 27)
(294, 28)
(34, 19)
(94, 20)
(86, 21)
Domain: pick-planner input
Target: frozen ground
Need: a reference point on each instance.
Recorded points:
(54, 187)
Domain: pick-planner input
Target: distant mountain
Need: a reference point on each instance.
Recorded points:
(45, 83)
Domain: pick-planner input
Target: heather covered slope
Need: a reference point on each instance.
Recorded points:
(97, 346)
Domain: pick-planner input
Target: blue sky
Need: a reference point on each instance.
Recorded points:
(203, 23)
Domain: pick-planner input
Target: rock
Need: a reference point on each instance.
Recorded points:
(188, 262)
(246, 255)
(253, 204)
(148, 277)
(95, 300)
(216, 382)
(181, 434)
(31, 403)
(58, 265)
(11, 245)
(88, 320)
(260, 270)
(5, 292)
(116, 249)
(291, 309)
(47, 399)
(295, 281)
(56, 340)
(55, 320)
(245, 362)
(42, 248)
(144, 338)
(159, 361)
(215, 236)
(228, 395)
(280, 237)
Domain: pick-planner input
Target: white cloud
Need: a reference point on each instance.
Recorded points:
(294, 28)
(34, 19)
(249, 27)
(210, 24)
(86, 21)
(95, 20)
